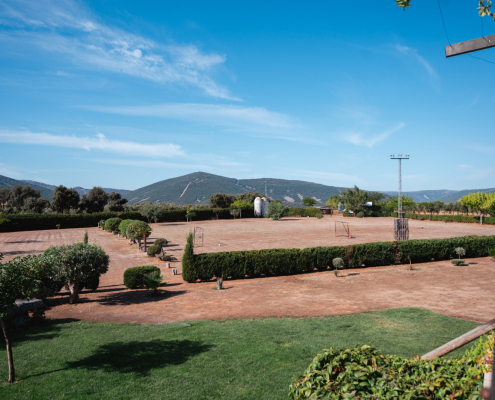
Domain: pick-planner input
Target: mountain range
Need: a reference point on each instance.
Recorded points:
(196, 188)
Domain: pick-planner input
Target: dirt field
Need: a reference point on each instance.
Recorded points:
(464, 292)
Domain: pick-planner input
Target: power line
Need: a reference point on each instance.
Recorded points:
(448, 39)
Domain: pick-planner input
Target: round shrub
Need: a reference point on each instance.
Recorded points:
(138, 230)
(161, 242)
(101, 224)
(456, 261)
(360, 214)
(153, 250)
(135, 277)
(112, 224)
(124, 225)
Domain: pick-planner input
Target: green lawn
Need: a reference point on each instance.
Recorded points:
(231, 359)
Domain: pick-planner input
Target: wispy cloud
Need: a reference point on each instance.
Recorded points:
(6, 170)
(226, 115)
(99, 142)
(327, 176)
(68, 28)
(408, 51)
(358, 139)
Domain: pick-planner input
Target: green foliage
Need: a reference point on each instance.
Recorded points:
(138, 230)
(160, 242)
(241, 205)
(269, 262)
(134, 277)
(85, 240)
(189, 270)
(35, 205)
(37, 222)
(112, 224)
(15, 284)
(303, 212)
(153, 250)
(190, 215)
(79, 264)
(308, 202)
(19, 194)
(365, 373)
(457, 261)
(64, 199)
(152, 211)
(153, 280)
(360, 214)
(101, 224)
(449, 218)
(333, 201)
(116, 202)
(124, 224)
(276, 210)
(460, 251)
(221, 200)
(393, 203)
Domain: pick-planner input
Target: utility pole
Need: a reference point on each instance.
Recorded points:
(399, 194)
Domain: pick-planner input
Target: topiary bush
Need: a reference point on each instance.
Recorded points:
(112, 224)
(124, 225)
(458, 261)
(153, 250)
(161, 242)
(134, 277)
(365, 373)
(360, 214)
(101, 224)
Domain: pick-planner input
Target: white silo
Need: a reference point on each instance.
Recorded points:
(258, 207)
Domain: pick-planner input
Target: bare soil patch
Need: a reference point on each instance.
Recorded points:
(464, 291)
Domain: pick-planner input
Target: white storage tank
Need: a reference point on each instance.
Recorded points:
(258, 207)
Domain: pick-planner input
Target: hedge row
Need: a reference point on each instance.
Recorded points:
(304, 212)
(38, 222)
(255, 263)
(449, 218)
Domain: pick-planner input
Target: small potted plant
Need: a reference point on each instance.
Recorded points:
(337, 263)
(460, 252)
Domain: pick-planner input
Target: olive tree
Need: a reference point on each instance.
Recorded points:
(276, 210)
(138, 230)
(79, 264)
(14, 284)
(152, 211)
(309, 202)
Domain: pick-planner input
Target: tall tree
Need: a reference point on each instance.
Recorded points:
(354, 199)
(221, 200)
(479, 201)
(35, 205)
(308, 201)
(99, 198)
(18, 194)
(4, 196)
(64, 199)
(116, 202)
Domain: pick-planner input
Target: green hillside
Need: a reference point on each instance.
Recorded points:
(79, 189)
(199, 186)
(9, 182)
(425, 195)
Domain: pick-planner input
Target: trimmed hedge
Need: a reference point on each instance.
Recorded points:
(304, 212)
(448, 218)
(269, 262)
(153, 250)
(112, 224)
(365, 373)
(38, 222)
(134, 276)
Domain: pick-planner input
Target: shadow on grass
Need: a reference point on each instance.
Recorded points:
(140, 357)
(48, 329)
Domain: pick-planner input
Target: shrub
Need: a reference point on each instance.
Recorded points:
(112, 224)
(276, 210)
(123, 226)
(360, 214)
(460, 252)
(160, 242)
(153, 250)
(303, 212)
(255, 263)
(134, 277)
(153, 280)
(165, 257)
(79, 264)
(138, 230)
(337, 263)
(366, 373)
(101, 224)
(457, 261)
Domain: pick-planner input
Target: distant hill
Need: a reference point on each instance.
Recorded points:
(425, 195)
(9, 182)
(199, 186)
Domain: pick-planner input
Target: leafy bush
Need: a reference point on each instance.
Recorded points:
(123, 226)
(153, 250)
(448, 218)
(304, 212)
(360, 214)
(366, 373)
(101, 224)
(79, 265)
(255, 263)
(276, 210)
(138, 230)
(153, 280)
(112, 224)
(134, 277)
(165, 257)
(161, 242)
(458, 261)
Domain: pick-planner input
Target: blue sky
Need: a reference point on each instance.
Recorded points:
(123, 94)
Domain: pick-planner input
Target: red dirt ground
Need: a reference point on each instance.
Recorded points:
(465, 292)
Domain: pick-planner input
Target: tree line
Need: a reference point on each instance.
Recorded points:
(24, 199)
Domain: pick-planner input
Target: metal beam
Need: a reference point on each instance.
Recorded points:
(469, 46)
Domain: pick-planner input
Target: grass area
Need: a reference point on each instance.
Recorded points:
(230, 359)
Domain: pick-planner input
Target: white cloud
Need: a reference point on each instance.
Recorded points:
(229, 115)
(327, 176)
(414, 53)
(358, 139)
(100, 142)
(66, 27)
